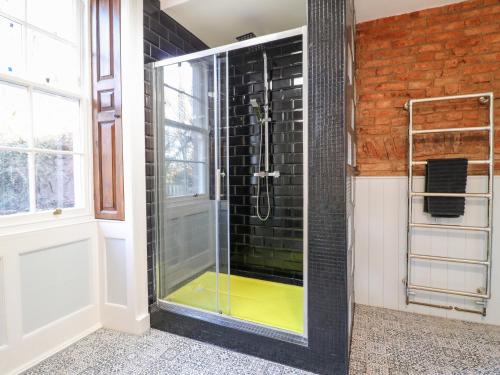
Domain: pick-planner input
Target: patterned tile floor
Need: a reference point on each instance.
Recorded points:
(393, 342)
(384, 342)
(111, 352)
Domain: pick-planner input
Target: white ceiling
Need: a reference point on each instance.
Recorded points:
(219, 22)
(367, 10)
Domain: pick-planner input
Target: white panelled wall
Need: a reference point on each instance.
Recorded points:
(123, 259)
(64, 278)
(380, 257)
(49, 292)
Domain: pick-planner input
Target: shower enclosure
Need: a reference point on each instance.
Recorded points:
(231, 185)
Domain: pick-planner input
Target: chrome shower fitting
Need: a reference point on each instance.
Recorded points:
(263, 120)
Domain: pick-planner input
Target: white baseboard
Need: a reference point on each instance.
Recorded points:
(118, 318)
(55, 350)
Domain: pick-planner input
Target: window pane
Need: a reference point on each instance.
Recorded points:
(54, 181)
(53, 62)
(180, 76)
(14, 126)
(187, 91)
(14, 8)
(11, 40)
(54, 16)
(178, 106)
(55, 119)
(14, 187)
(184, 179)
(185, 145)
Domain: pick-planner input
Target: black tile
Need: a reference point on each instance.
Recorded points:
(151, 37)
(327, 349)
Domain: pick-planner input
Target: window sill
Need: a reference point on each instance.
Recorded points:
(42, 221)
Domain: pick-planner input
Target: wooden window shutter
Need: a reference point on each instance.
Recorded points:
(106, 104)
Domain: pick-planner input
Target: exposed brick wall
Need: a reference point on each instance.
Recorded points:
(163, 38)
(440, 51)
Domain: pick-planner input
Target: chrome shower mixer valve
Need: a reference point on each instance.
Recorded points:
(274, 174)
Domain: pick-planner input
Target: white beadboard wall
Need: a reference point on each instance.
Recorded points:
(380, 257)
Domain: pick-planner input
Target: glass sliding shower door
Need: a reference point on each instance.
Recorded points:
(230, 185)
(191, 184)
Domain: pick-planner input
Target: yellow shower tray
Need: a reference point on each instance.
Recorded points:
(265, 302)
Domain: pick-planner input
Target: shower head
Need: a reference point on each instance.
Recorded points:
(256, 109)
(246, 36)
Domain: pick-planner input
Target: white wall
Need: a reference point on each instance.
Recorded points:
(380, 260)
(124, 299)
(49, 291)
(61, 280)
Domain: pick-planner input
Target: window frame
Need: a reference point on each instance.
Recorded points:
(82, 140)
(204, 132)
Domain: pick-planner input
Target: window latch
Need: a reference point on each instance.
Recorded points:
(57, 211)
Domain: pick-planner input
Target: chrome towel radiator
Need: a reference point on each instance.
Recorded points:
(483, 295)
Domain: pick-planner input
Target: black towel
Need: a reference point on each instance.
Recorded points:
(445, 176)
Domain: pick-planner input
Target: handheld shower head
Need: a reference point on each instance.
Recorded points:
(254, 103)
(256, 109)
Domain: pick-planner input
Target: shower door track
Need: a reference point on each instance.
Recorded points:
(232, 322)
(226, 320)
(230, 47)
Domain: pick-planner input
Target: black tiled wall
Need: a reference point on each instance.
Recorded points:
(163, 38)
(273, 249)
(350, 105)
(328, 278)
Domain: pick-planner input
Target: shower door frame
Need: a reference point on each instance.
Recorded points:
(213, 317)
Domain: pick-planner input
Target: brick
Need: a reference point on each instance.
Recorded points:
(481, 68)
(432, 47)
(419, 84)
(482, 30)
(383, 104)
(374, 80)
(392, 86)
(451, 89)
(425, 56)
(448, 50)
(492, 38)
(483, 77)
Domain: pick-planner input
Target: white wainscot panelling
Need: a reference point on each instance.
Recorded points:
(49, 292)
(55, 282)
(116, 271)
(3, 327)
(186, 241)
(380, 258)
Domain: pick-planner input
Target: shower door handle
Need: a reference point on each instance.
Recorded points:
(222, 177)
(219, 174)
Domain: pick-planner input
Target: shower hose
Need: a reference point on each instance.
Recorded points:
(266, 216)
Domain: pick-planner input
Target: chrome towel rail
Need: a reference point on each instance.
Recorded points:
(448, 259)
(483, 294)
(450, 130)
(453, 227)
(459, 195)
(424, 162)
